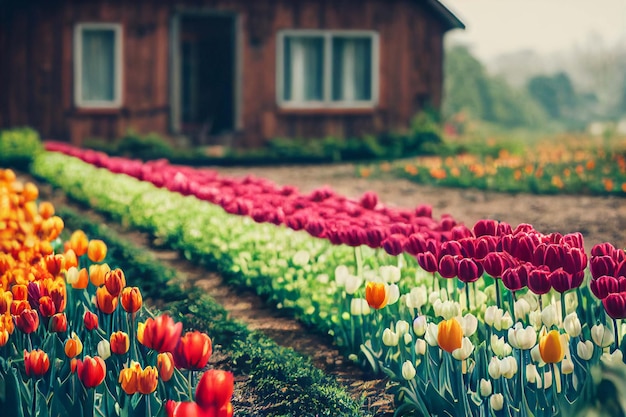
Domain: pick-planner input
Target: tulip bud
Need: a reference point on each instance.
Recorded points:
(551, 347)
(359, 307)
(419, 325)
(104, 349)
(522, 308)
(469, 324)
(499, 346)
(390, 338)
(417, 297)
(508, 367)
(602, 336)
(408, 370)
(408, 338)
(352, 284)
(420, 347)
(549, 316)
(567, 366)
(431, 335)
(485, 387)
(572, 326)
(390, 273)
(494, 368)
(402, 327)
(464, 351)
(449, 335)
(532, 376)
(394, 294)
(496, 401)
(584, 349)
(522, 338)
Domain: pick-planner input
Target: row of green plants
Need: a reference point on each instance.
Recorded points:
(423, 136)
(457, 347)
(18, 146)
(288, 383)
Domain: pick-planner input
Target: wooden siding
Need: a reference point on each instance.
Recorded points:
(36, 40)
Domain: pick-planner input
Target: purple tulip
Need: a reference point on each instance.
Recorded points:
(539, 280)
(468, 270)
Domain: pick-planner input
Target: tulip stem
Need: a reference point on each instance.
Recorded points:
(563, 312)
(34, 413)
(190, 384)
(467, 296)
(498, 296)
(616, 331)
(358, 257)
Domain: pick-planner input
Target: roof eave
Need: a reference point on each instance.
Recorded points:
(448, 17)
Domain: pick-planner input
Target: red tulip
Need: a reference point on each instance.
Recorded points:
(58, 323)
(468, 270)
(428, 261)
(602, 265)
(563, 281)
(447, 266)
(36, 363)
(161, 334)
(193, 351)
(27, 321)
(91, 371)
(90, 320)
(606, 285)
(516, 278)
(539, 280)
(215, 388)
(615, 305)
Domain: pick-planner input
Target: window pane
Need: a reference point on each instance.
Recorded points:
(352, 69)
(303, 69)
(98, 65)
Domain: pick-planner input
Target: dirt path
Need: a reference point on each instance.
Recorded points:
(599, 219)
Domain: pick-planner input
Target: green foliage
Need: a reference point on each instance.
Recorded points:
(469, 88)
(18, 147)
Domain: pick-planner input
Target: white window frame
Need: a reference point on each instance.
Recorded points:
(327, 102)
(78, 65)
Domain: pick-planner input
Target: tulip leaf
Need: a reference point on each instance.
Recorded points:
(371, 358)
(11, 403)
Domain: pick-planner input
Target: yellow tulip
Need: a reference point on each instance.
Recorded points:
(450, 335)
(550, 347)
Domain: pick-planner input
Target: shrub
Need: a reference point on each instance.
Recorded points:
(18, 147)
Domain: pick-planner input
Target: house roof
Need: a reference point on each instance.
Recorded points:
(446, 15)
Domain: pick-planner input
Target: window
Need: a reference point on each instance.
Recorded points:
(97, 65)
(327, 69)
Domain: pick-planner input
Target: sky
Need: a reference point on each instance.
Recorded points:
(494, 27)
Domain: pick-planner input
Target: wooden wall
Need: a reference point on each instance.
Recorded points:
(37, 84)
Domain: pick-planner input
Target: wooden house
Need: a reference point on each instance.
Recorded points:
(248, 70)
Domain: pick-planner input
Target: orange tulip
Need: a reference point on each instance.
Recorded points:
(131, 299)
(82, 280)
(115, 281)
(36, 363)
(105, 301)
(215, 388)
(193, 351)
(91, 371)
(97, 274)
(73, 346)
(96, 250)
(120, 343)
(46, 209)
(79, 242)
(128, 378)
(4, 337)
(30, 192)
(70, 259)
(90, 320)
(6, 298)
(165, 365)
(20, 292)
(376, 294)
(74, 365)
(27, 321)
(449, 335)
(6, 323)
(147, 380)
(161, 334)
(18, 306)
(550, 347)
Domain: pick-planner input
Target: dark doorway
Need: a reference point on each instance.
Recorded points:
(207, 75)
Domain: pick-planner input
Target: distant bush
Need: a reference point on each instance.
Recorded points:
(18, 147)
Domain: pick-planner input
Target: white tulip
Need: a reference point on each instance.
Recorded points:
(394, 294)
(572, 326)
(602, 335)
(420, 346)
(567, 366)
(104, 349)
(494, 368)
(432, 332)
(434, 296)
(359, 307)
(402, 327)
(508, 367)
(522, 308)
(419, 325)
(71, 275)
(612, 360)
(547, 380)
(341, 273)
(499, 346)
(390, 338)
(491, 314)
(464, 351)
(496, 401)
(506, 321)
(485, 387)
(353, 283)
(417, 297)
(534, 317)
(585, 349)
(549, 316)
(408, 338)
(469, 324)
(408, 370)
(536, 355)
(301, 258)
(390, 273)
(522, 338)
(532, 375)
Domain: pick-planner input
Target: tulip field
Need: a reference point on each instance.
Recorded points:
(489, 319)
(570, 164)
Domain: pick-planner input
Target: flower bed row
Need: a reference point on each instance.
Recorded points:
(550, 167)
(501, 348)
